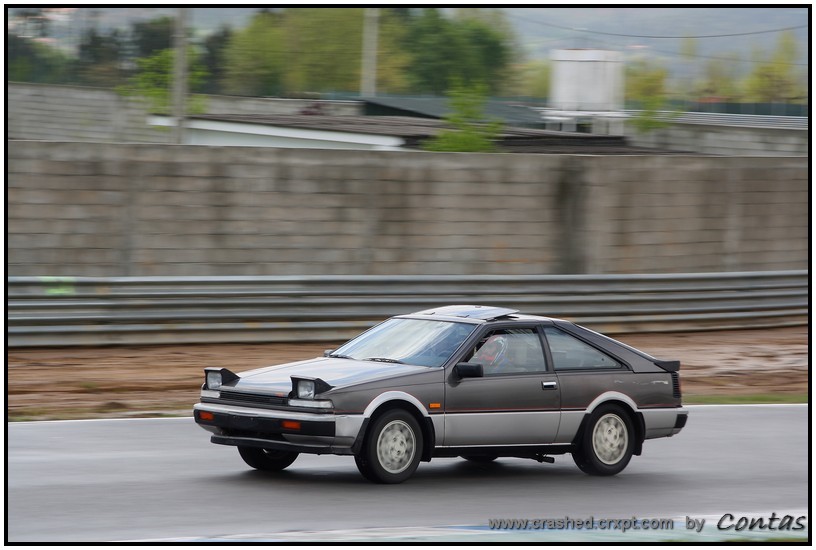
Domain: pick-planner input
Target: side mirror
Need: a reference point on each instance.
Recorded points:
(469, 370)
(327, 352)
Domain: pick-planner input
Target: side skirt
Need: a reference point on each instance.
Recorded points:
(518, 451)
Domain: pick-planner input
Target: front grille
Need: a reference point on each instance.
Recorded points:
(252, 398)
(675, 384)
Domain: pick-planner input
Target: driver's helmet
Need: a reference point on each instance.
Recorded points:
(493, 351)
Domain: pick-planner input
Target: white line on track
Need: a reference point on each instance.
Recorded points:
(449, 533)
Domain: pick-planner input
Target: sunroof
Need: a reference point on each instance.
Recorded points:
(471, 312)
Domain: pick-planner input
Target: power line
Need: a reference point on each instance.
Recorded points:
(731, 59)
(670, 53)
(697, 56)
(657, 37)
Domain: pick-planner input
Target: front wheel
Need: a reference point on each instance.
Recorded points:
(268, 460)
(392, 449)
(607, 442)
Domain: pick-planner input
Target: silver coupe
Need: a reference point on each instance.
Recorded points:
(475, 382)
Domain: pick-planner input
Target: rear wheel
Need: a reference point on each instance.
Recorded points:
(392, 449)
(607, 442)
(269, 460)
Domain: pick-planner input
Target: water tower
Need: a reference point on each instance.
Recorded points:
(586, 91)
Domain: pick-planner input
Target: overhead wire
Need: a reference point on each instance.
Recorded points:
(673, 53)
(576, 29)
(719, 58)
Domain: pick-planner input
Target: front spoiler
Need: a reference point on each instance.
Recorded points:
(281, 445)
(229, 421)
(315, 433)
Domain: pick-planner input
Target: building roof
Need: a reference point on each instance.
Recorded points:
(415, 130)
(402, 126)
(439, 107)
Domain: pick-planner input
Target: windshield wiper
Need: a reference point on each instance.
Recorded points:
(340, 356)
(384, 360)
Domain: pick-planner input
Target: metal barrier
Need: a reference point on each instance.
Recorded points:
(730, 119)
(708, 119)
(68, 311)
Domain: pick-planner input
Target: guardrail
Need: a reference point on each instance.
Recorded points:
(692, 117)
(732, 119)
(68, 311)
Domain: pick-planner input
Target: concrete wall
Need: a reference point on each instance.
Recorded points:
(129, 209)
(75, 113)
(724, 140)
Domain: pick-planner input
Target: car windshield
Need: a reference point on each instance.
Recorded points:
(412, 341)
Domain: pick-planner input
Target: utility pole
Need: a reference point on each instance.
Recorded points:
(368, 80)
(180, 74)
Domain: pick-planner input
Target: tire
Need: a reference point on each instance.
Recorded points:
(268, 460)
(479, 459)
(606, 443)
(392, 448)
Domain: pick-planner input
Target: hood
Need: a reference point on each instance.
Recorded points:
(334, 371)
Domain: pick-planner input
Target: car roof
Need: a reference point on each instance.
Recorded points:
(474, 314)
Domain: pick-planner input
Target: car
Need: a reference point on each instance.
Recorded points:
(477, 382)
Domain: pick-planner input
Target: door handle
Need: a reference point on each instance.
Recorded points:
(549, 385)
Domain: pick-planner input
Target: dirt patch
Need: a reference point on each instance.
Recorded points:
(86, 382)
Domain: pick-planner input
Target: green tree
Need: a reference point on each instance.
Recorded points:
(213, 59)
(255, 58)
(100, 58)
(646, 88)
(688, 51)
(471, 130)
(299, 50)
(774, 78)
(433, 47)
(30, 61)
(153, 81)
(445, 51)
(153, 36)
(491, 43)
(392, 58)
(324, 49)
(534, 79)
(720, 79)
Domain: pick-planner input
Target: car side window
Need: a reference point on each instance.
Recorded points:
(509, 351)
(569, 353)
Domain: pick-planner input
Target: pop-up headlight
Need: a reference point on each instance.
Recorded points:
(214, 378)
(304, 391)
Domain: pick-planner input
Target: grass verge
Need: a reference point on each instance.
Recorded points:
(748, 399)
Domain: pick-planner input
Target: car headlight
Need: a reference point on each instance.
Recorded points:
(213, 380)
(305, 389)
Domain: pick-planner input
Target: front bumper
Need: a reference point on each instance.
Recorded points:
(316, 433)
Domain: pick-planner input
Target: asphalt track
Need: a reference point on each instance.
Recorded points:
(161, 480)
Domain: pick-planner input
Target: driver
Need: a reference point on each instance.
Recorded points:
(492, 353)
